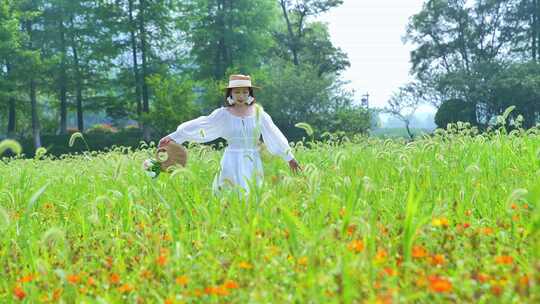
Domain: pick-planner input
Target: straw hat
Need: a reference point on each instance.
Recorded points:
(240, 81)
(177, 155)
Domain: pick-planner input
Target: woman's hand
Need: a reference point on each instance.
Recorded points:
(164, 141)
(293, 164)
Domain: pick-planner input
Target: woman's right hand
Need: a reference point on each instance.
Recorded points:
(164, 141)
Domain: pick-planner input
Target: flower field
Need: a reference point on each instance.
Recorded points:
(446, 219)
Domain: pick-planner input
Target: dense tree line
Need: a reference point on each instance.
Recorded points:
(474, 59)
(161, 62)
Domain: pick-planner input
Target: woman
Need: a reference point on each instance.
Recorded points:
(240, 122)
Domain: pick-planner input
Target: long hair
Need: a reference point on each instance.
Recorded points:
(229, 94)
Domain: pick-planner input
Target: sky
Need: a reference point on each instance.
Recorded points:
(370, 32)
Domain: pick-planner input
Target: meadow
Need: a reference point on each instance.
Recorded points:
(450, 218)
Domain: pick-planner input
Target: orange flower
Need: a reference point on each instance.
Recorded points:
(351, 229)
(356, 246)
(514, 206)
(419, 252)
(19, 293)
(161, 260)
(437, 259)
(438, 284)
(381, 256)
(440, 222)
(114, 278)
(182, 280)
(57, 293)
(496, 290)
(303, 261)
(125, 288)
(504, 260)
(466, 225)
(524, 281)
(169, 301)
(91, 281)
(230, 284)
(73, 278)
(245, 265)
(482, 278)
(389, 271)
(486, 231)
(26, 279)
(216, 290)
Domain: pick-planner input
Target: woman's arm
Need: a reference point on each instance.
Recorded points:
(274, 139)
(202, 129)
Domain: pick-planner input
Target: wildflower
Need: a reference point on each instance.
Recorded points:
(125, 288)
(504, 260)
(19, 293)
(438, 284)
(26, 279)
(486, 231)
(389, 271)
(245, 265)
(73, 278)
(480, 277)
(468, 212)
(114, 278)
(381, 256)
(466, 225)
(182, 280)
(161, 260)
(437, 259)
(91, 282)
(351, 229)
(496, 290)
(356, 246)
(440, 222)
(303, 261)
(230, 284)
(419, 252)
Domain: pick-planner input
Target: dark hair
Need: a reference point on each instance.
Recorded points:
(229, 94)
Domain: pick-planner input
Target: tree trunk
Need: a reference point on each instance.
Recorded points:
(78, 81)
(407, 126)
(62, 81)
(534, 30)
(32, 93)
(142, 32)
(132, 28)
(12, 119)
(292, 39)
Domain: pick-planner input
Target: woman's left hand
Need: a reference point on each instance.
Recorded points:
(295, 167)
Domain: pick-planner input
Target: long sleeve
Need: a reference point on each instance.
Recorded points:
(202, 129)
(275, 141)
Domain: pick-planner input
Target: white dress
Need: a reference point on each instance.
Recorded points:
(241, 163)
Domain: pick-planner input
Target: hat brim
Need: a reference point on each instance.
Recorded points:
(253, 87)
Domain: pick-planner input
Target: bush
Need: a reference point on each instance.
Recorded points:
(454, 110)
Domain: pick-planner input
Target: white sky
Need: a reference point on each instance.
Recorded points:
(370, 32)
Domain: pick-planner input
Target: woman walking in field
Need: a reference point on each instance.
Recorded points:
(240, 122)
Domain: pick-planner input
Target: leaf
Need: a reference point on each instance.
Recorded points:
(306, 127)
(11, 144)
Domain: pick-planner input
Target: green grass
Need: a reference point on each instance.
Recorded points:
(447, 219)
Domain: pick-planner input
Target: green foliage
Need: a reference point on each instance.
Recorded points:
(364, 216)
(173, 103)
(454, 110)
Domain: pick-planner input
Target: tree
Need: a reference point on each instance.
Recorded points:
(404, 103)
(454, 110)
(295, 14)
(227, 34)
(10, 47)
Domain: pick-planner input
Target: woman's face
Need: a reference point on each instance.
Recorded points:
(240, 95)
